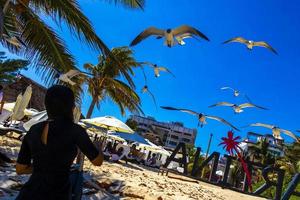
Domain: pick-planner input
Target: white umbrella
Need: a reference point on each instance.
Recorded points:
(19, 113)
(154, 148)
(15, 109)
(109, 123)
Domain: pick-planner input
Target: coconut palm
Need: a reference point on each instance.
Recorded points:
(9, 68)
(105, 81)
(259, 151)
(25, 32)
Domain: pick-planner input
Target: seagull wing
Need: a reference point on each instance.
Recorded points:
(222, 120)
(222, 104)
(250, 105)
(180, 109)
(146, 33)
(266, 45)
(165, 70)
(262, 125)
(188, 29)
(153, 98)
(236, 39)
(71, 73)
(227, 88)
(289, 133)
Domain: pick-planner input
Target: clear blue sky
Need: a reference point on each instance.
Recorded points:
(202, 68)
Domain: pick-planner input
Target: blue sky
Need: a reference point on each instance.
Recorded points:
(202, 68)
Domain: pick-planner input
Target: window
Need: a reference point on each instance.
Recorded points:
(172, 143)
(188, 134)
(174, 137)
(185, 140)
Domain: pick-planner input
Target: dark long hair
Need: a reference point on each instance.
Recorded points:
(60, 102)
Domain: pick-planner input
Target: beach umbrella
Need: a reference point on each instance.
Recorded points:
(132, 137)
(19, 113)
(15, 109)
(109, 123)
(117, 138)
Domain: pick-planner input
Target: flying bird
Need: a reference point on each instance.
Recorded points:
(236, 93)
(250, 43)
(67, 77)
(201, 116)
(238, 108)
(172, 36)
(145, 89)
(157, 69)
(276, 130)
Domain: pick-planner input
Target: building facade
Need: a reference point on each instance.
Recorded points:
(168, 134)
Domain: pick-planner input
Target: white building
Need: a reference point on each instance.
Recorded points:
(168, 133)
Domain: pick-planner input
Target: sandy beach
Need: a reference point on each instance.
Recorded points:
(124, 181)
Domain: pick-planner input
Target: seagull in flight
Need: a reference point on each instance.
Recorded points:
(250, 43)
(236, 93)
(201, 116)
(276, 130)
(145, 89)
(67, 77)
(238, 108)
(172, 36)
(157, 69)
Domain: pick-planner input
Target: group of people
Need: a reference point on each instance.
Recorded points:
(118, 152)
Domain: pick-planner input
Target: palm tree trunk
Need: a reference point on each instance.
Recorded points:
(91, 108)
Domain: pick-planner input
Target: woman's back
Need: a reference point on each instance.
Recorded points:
(50, 147)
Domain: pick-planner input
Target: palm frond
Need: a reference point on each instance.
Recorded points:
(69, 11)
(133, 4)
(44, 46)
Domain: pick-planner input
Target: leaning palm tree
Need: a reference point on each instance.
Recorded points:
(25, 32)
(105, 81)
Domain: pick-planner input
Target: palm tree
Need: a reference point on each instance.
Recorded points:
(260, 152)
(10, 67)
(105, 81)
(24, 32)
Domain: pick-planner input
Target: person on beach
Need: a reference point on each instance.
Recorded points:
(116, 157)
(151, 162)
(52, 147)
(108, 151)
(1, 99)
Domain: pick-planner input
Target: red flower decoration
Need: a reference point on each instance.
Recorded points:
(231, 144)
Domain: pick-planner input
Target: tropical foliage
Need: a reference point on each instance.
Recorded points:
(106, 81)
(23, 30)
(9, 68)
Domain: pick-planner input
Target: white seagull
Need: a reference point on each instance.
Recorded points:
(201, 116)
(236, 93)
(250, 43)
(66, 77)
(172, 36)
(276, 130)
(238, 108)
(157, 69)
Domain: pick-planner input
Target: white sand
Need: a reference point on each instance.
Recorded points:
(125, 181)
